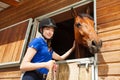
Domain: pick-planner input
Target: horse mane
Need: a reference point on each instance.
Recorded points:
(85, 15)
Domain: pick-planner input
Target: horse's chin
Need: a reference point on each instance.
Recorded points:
(94, 49)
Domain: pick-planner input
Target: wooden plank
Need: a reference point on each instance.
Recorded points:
(105, 3)
(85, 74)
(112, 69)
(10, 45)
(17, 57)
(108, 13)
(109, 78)
(108, 18)
(111, 45)
(67, 15)
(10, 79)
(32, 8)
(10, 73)
(4, 44)
(115, 7)
(64, 71)
(109, 57)
(109, 26)
(11, 2)
(110, 35)
(19, 43)
(73, 71)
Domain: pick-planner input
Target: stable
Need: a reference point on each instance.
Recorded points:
(19, 25)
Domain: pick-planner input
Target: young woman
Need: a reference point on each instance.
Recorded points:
(38, 58)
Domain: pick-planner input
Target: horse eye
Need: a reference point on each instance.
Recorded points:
(78, 25)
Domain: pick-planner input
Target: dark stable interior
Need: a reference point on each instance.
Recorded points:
(64, 37)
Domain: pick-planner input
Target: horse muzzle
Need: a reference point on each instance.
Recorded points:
(95, 46)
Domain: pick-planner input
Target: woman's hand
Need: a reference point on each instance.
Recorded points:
(73, 47)
(50, 64)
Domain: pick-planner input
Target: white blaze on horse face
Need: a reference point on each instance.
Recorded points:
(83, 30)
(92, 33)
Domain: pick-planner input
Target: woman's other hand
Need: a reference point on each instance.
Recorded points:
(73, 47)
(50, 64)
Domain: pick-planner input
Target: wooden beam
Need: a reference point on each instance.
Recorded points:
(10, 2)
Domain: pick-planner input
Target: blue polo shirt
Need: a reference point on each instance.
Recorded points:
(43, 54)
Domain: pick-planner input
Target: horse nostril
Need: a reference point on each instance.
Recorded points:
(94, 43)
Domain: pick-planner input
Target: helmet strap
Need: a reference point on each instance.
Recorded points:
(48, 40)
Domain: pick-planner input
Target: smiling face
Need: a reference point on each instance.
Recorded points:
(48, 32)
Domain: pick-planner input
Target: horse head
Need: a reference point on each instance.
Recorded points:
(85, 33)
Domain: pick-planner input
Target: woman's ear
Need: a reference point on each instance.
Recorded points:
(41, 30)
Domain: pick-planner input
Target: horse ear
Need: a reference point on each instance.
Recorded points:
(88, 10)
(73, 12)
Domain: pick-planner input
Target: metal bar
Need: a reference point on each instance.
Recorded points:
(14, 24)
(93, 70)
(95, 14)
(34, 29)
(96, 59)
(9, 64)
(26, 39)
(80, 61)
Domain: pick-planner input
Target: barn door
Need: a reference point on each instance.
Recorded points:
(76, 69)
(13, 42)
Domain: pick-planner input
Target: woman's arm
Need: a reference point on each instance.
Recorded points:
(65, 55)
(26, 64)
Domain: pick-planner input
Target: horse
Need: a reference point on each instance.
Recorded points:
(86, 39)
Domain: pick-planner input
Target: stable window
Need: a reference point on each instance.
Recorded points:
(63, 40)
(13, 43)
(64, 34)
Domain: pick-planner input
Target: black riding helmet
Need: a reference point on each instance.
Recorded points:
(46, 23)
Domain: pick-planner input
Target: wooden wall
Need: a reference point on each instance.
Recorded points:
(108, 19)
(31, 9)
(10, 74)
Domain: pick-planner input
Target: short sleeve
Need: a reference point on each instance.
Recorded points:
(35, 43)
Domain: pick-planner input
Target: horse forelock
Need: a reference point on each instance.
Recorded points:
(82, 15)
